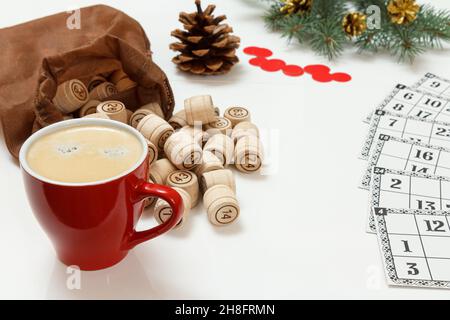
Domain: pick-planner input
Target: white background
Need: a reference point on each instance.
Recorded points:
(302, 228)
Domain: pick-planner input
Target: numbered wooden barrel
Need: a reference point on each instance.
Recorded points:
(183, 151)
(222, 146)
(237, 115)
(178, 120)
(103, 91)
(196, 133)
(71, 96)
(155, 108)
(137, 116)
(187, 181)
(95, 82)
(155, 129)
(89, 108)
(221, 205)
(160, 170)
(115, 110)
(218, 177)
(248, 154)
(220, 125)
(244, 129)
(199, 110)
(164, 212)
(208, 163)
(152, 152)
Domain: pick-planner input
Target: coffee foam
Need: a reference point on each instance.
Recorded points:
(84, 154)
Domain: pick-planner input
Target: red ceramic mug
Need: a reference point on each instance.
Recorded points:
(92, 225)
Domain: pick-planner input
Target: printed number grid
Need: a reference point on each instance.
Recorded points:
(413, 103)
(401, 154)
(403, 190)
(410, 102)
(415, 247)
(412, 128)
(434, 84)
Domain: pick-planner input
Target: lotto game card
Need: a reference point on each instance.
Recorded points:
(406, 127)
(405, 154)
(412, 102)
(415, 247)
(408, 190)
(434, 84)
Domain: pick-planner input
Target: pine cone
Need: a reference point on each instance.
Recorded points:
(403, 11)
(206, 47)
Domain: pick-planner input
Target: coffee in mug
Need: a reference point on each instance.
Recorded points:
(87, 182)
(84, 153)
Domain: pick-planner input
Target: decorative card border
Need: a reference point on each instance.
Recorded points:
(426, 77)
(386, 251)
(370, 137)
(377, 150)
(376, 185)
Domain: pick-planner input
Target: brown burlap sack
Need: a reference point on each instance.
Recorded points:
(39, 55)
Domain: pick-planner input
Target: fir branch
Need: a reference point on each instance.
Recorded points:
(433, 27)
(321, 28)
(328, 39)
(404, 45)
(296, 26)
(274, 18)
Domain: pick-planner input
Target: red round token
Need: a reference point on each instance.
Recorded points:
(258, 61)
(322, 77)
(273, 65)
(317, 69)
(293, 71)
(259, 52)
(341, 77)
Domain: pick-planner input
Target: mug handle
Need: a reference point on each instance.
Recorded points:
(145, 190)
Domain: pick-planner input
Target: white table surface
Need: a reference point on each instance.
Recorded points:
(302, 228)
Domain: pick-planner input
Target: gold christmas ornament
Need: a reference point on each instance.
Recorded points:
(295, 6)
(206, 47)
(354, 24)
(403, 11)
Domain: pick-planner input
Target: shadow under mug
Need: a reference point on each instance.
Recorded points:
(92, 225)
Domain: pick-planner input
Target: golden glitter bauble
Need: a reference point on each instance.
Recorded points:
(403, 11)
(296, 6)
(354, 24)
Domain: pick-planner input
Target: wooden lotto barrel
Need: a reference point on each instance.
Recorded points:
(115, 110)
(178, 120)
(187, 181)
(95, 82)
(199, 109)
(248, 154)
(155, 129)
(183, 151)
(237, 115)
(103, 91)
(220, 125)
(221, 205)
(137, 116)
(222, 147)
(218, 177)
(208, 163)
(89, 108)
(71, 96)
(164, 212)
(160, 170)
(244, 129)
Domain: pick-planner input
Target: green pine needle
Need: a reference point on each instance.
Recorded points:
(321, 29)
